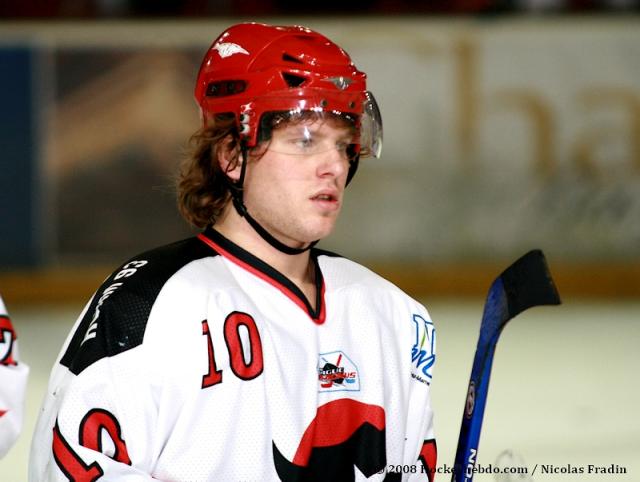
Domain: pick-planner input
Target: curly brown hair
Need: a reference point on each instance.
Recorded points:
(203, 189)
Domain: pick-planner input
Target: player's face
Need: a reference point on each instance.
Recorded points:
(295, 189)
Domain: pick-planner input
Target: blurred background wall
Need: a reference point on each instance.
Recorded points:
(503, 132)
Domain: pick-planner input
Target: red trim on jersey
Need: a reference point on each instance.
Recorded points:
(323, 314)
(2, 412)
(429, 458)
(335, 423)
(265, 277)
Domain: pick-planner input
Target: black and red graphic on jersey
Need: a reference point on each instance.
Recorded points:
(429, 457)
(344, 434)
(7, 338)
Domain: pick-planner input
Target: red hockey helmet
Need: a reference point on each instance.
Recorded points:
(252, 69)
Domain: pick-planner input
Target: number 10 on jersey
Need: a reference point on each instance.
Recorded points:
(244, 367)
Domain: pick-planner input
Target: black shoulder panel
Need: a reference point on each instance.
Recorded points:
(117, 317)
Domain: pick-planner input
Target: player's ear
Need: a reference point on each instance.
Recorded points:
(229, 157)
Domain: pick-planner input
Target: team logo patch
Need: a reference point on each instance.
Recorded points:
(227, 49)
(336, 372)
(423, 353)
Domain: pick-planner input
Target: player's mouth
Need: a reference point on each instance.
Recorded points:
(326, 199)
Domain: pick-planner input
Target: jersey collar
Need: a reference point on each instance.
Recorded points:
(243, 258)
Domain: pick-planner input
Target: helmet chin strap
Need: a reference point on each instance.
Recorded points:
(238, 203)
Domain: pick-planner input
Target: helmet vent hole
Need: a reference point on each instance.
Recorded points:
(225, 88)
(290, 58)
(293, 80)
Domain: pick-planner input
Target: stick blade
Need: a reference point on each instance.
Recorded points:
(528, 283)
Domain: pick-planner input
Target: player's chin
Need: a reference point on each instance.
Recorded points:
(321, 227)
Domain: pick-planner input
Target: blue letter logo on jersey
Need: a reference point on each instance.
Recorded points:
(336, 372)
(423, 353)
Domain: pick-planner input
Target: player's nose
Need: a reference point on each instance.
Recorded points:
(335, 162)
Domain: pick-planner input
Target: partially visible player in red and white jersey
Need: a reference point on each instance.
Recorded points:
(13, 383)
(245, 353)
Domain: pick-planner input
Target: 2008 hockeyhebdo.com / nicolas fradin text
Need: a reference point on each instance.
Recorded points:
(539, 469)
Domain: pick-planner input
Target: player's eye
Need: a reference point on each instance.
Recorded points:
(343, 146)
(304, 143)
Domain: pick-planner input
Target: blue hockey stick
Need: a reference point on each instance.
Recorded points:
(524, 284)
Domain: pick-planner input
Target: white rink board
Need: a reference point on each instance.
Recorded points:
(500, 135)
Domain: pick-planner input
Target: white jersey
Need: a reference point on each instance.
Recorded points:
(13, 383)
(199, 362)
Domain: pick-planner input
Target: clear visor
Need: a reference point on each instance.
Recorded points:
(316, 130)
(371, 128)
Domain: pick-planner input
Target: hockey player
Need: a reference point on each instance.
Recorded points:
(246, 354)
(13, 384)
